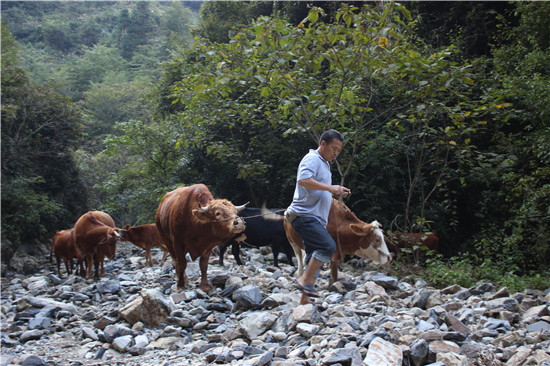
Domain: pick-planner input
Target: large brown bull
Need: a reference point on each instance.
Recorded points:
(352, 237)
(146, 237)
(95, 237)
(190, 220)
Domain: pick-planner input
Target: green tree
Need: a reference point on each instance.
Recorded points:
(99, 64)
(41, 191)
(150, 163)
(220, 20)
(359, 75)
(514, 169)
(106, 104)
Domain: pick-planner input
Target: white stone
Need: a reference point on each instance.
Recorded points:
(383, 353)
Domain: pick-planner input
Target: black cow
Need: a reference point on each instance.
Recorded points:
(259, 232)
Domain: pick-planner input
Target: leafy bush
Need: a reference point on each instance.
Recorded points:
(467, 271)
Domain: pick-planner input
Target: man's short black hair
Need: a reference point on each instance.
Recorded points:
(330, 135)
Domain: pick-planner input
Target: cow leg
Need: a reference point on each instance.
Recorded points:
(148, 257)
(333, 272)
(181, 265)
(299, 258)
(276, 251)
(203, 264)
(80, 267)
(96, 267)
(289, 254)
(67, 266)
(58, 266)
(222, 249)
(89, 265)
(163, 257)
(236, 250)
(70, 267)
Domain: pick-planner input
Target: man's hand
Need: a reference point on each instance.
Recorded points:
(337, 190)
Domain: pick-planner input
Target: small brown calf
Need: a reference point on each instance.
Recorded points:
(146, 237)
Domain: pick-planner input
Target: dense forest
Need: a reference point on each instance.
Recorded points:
(444, 107)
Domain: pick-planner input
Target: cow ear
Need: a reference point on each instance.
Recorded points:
(360, 230)
(126, 227)
(199, 215)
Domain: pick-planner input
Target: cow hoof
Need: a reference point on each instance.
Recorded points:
(205, 288)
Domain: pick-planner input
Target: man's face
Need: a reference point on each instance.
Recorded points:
(330, 151)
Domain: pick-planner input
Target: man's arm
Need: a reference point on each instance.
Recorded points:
(314, 185)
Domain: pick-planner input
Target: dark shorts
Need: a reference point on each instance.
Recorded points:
(317, 241)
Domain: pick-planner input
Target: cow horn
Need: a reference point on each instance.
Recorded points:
(241, 206)
(203, 209)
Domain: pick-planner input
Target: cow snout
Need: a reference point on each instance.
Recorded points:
(384, 259)
(239, 224)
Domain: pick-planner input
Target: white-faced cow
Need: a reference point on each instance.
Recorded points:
(146, 237)
(190, 220)
(352, 237)
(95, 237)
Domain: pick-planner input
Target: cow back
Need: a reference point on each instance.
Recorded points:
(104, 218)
(143, 236)
(63, 243)
(90, 229)
(175, 211)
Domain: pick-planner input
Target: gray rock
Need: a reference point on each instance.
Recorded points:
(171, 331)
(380, 332)
(88, 332)
(219, 355)
(42, 302)
(141, 341)
(419, 352)
(256, 323)
(307, 330)
(482, 289)
(389, 283)
(503, 303)
(540, 326)
(305, 313)
(420, 299)
(39, 323)
(121, 344)
(108, 287)
(264, 359)
(248, 297)
(33, 360)
(343, 356)
(30, 335)
(423, 325)
(274, 300)
(151, 308)
(496, 324)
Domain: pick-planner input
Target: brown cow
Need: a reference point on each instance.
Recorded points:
(95, 237)
(352, 237)
(418, 243)
(146, 237)
(63, 248)
(190, 220)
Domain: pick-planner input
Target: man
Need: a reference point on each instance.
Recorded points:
(308, 212)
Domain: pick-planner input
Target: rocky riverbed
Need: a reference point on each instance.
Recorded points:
(136, 316)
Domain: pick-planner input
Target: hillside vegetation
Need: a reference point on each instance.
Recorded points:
(444, 107)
